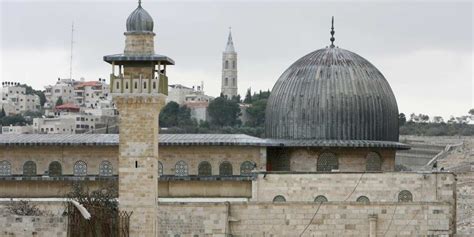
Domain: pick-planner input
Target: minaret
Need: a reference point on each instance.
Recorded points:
(139, 90)
(229, 69)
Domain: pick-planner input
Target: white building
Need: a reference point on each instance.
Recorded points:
(15, 100)
(64, 89)
(17, 129)
(67, 123)
(192, 97)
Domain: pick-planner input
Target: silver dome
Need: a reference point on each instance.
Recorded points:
(332, 94)
(139, 21)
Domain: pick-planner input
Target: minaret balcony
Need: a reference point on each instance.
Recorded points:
(121, 84)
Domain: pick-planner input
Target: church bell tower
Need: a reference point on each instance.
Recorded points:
(139, 87)
(229, 69)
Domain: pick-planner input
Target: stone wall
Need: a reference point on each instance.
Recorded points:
(378, 187)
(41, 226)
(290, 219)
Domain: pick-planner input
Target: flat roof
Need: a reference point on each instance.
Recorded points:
(188, 140)
(127, 58)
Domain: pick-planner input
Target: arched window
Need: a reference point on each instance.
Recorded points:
(126, 85)
(327, 162)
(233, 81)
(160, 168)
(233, 64)
(320, 198)
(5, 168)
(226, 64)
(105, 168)
(154, 85)
(405, 196)
(181, 168)
(204, 169)
(246, 168)
(225, 169)
(144, 85)
(363, 199)
(373, 162)
(136, 85)
(29, 168)
(80, 168)
(226, 81)
(55, 169)
(279, 198)
(117, 85)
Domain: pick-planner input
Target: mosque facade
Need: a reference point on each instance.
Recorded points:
(324, 168)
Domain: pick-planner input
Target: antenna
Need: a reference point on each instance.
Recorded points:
(72, 43)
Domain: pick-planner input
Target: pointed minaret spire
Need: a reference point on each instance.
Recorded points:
(230, 43)
(332, 32)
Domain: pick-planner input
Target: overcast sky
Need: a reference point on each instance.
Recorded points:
(424, 49)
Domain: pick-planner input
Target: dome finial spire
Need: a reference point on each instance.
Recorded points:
(332, 32)
(139, 3)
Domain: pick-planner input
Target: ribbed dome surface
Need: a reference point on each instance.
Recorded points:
(139, 21)
(332, 94)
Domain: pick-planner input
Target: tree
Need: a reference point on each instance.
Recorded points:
(424, 118)
(402, 119)
(169, 115)
(59, 101)
(257, 113)
(224, 112)
(248, 97)
(13, 120)
(471, 112)
(438, 119)
(2, 113)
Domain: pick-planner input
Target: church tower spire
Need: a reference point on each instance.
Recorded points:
(229, 69)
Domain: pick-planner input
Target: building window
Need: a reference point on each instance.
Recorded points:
(279, 198)
(233, 64)
(80, 168)
(320, 198)
(226, 64)
(105, 168)
(136, 85)
(154, 85)
(363, 199)
(327, 162)
(144, 85)
(117, 85)
(126, 85)
(405, 196)
(5, 168)
(204, 169)
(226, 81)
(181, 168)
(55, 169)
(29, 168)
(233, 81)
(160, 168)
(374, 162)
(225, 169)
(246, 168)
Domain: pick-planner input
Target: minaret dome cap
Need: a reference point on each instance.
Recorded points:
(139, 20)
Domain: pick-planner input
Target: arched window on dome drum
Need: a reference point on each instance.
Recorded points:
(29, 168)
(226, 64)
(225, 169)
(105, 168)
(160, 168)
(5, 168)
(279, 198)
(405, 196)
(363, 199)
(204, 169)
(55, 169)
(246, 168)
(181, 168)
(373, 162)
(320, 198)
(80, 168)
(327, 162)
(226, 81)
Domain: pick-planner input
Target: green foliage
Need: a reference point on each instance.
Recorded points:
(257, 113)
(2, 113)
(248, 97)
(471, 111)
(172, 115)
(13, 120)
(31, 91)
(59, 101)
(224, 112)
(402, 119)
